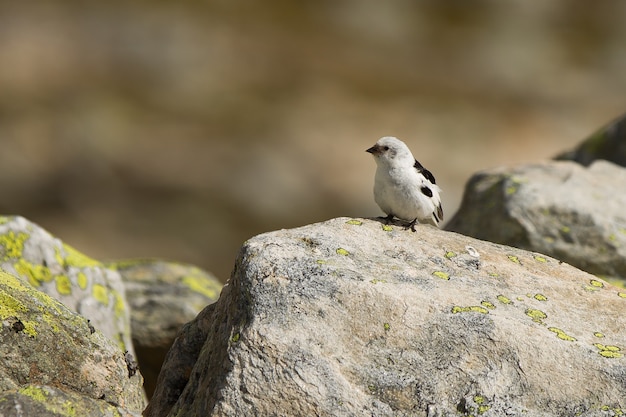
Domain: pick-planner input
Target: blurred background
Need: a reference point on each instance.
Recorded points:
(180, 129)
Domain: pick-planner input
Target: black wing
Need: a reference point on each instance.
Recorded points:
(429, 176)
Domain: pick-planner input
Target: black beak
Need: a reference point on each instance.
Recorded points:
(373, 150)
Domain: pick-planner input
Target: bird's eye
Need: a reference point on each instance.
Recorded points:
(385, 148)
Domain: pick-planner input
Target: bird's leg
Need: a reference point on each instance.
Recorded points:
(411, 225)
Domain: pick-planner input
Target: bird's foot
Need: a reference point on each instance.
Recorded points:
(411, 225)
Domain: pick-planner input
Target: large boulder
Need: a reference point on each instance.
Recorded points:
(163, 296)
(54, 362)
(84, 285)
(352, 317)
(565, 210)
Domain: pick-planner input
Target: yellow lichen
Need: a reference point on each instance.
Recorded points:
(13, 244)
(503, 299)
(608, 351)
(387, 228)
(621, 294)
(475, 309)
(119, 306)
(76, 258)
(540, 297)
(450, 254)
(354, 222)
(488, 305)
(561, 334)
(598, 334)
(513, 258)
(342, 251)
(202, 285)
(596, 283)
(442, 275)
(386, 326)
(101, 294)
(35, 274)
(540, 259)
(82, 280)
(35, 393)
(64, 285)
(536, 315)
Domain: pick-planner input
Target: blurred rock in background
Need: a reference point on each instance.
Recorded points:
(178, 131)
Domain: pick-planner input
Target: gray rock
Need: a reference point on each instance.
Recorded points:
(346, 318)
(83, 284)
(53, 362)
(562, 209)
(608, 143)
(163, 296)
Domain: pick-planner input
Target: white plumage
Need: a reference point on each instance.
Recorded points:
(403, 188)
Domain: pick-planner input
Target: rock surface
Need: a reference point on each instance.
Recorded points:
(562, 209)
(83, 284)
(348, 317)
(608, 143)
(54, 362)
(163, 296)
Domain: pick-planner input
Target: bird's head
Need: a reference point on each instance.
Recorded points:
(391, 151)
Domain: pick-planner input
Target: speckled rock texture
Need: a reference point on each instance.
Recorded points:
(83, 284)
(351, 318)
(53, 362)
(565, 210)
(608, 143)
(163, 296)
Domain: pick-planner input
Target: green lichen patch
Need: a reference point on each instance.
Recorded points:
(621, 294)
(354, 222)
(442, 275)
(539, 258)
(514, 259)
(540, 297)
(609, 351)
(470, 309)
(386, 326)
(36, 393)
(449, 254)
(536, 315)
(598, 335)
(561, 334)
(235, 338)
(387, 228)
(488, 304)
(342, 251)
(504, 300)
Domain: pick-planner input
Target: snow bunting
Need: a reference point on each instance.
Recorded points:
(403, 188)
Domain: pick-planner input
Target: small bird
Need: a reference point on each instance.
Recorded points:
(403, 188)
